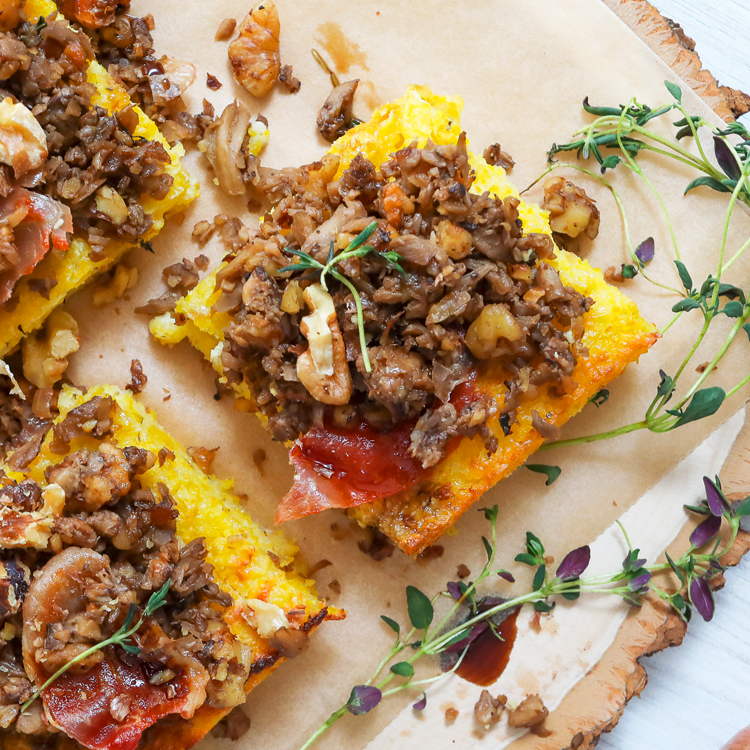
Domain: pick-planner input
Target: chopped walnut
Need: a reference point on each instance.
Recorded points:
(213, 82)
(529, 713)
(45, 355)
(254, 54)
(138, 379)
(487, 710)
(204, 457)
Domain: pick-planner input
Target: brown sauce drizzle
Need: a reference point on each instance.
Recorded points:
(342, 51)
(488, 656)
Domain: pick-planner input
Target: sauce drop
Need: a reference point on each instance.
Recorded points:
(342, 51)
(488, 656)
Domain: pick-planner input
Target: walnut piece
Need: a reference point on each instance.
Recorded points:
(323, 368)
(529, 713)
(45, 355)
(487, 709)
(254, 54)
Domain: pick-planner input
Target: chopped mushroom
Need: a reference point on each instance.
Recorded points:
(335, 116)
(223, 144)
(495, 156)
(254, 54)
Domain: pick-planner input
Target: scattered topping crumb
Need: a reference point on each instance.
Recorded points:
(432, 552)
(204, 457)
(376, 544)
(335, 586)
(165, 455)
(529, 713)
(451, 714)
(226, 29)
(495, 156)
(45, 355)
(572, 214)
(138, 379)
(463, 571)
(213, 82)
(234, 725)
(335, 116)
(286, 76)
(487, 710)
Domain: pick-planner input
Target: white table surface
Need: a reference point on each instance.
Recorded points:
(698, 695)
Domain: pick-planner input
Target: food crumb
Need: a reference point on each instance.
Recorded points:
(138, 378)
(432, 552)
(335, 586)
(451, 714)
(202, 262)
(233, 726)
(318, 567)
(463, 571)
(226, 29)
(165, 455)
(259, 457)
(204, 457)
(376, 545)
(703, 367)
(213, 82)
(487, 710)
(535, 623)
(529, 714)
(286, 76)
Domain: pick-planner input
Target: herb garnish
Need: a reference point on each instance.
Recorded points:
(624, 131)
(120, 638)
(355, 249)
(691, 589)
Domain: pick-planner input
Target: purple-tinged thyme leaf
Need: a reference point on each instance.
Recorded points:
(717, 503)
(506, 576)
(705, 531)
(465, 642)
(640, 582)
(726, 159)
(645, 251)
(454, 589)
(421, 704)
(702, 598)
(363, 699)
(574, 563)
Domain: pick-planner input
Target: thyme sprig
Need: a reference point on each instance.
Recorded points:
(469, 615)
(624, 132)
(355, 249)
(121, 638)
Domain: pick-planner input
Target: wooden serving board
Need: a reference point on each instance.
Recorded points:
(598, 701)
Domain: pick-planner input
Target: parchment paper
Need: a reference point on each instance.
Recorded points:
(522, 69)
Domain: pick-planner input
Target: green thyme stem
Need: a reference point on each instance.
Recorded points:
(323, 728)
(156, 600)
(360, 318)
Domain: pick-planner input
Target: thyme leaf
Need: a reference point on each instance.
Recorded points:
(355, 249)
(453, 631)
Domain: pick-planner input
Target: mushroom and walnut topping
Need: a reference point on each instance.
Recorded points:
(111, 545)
(470, 289)
(82, 155)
